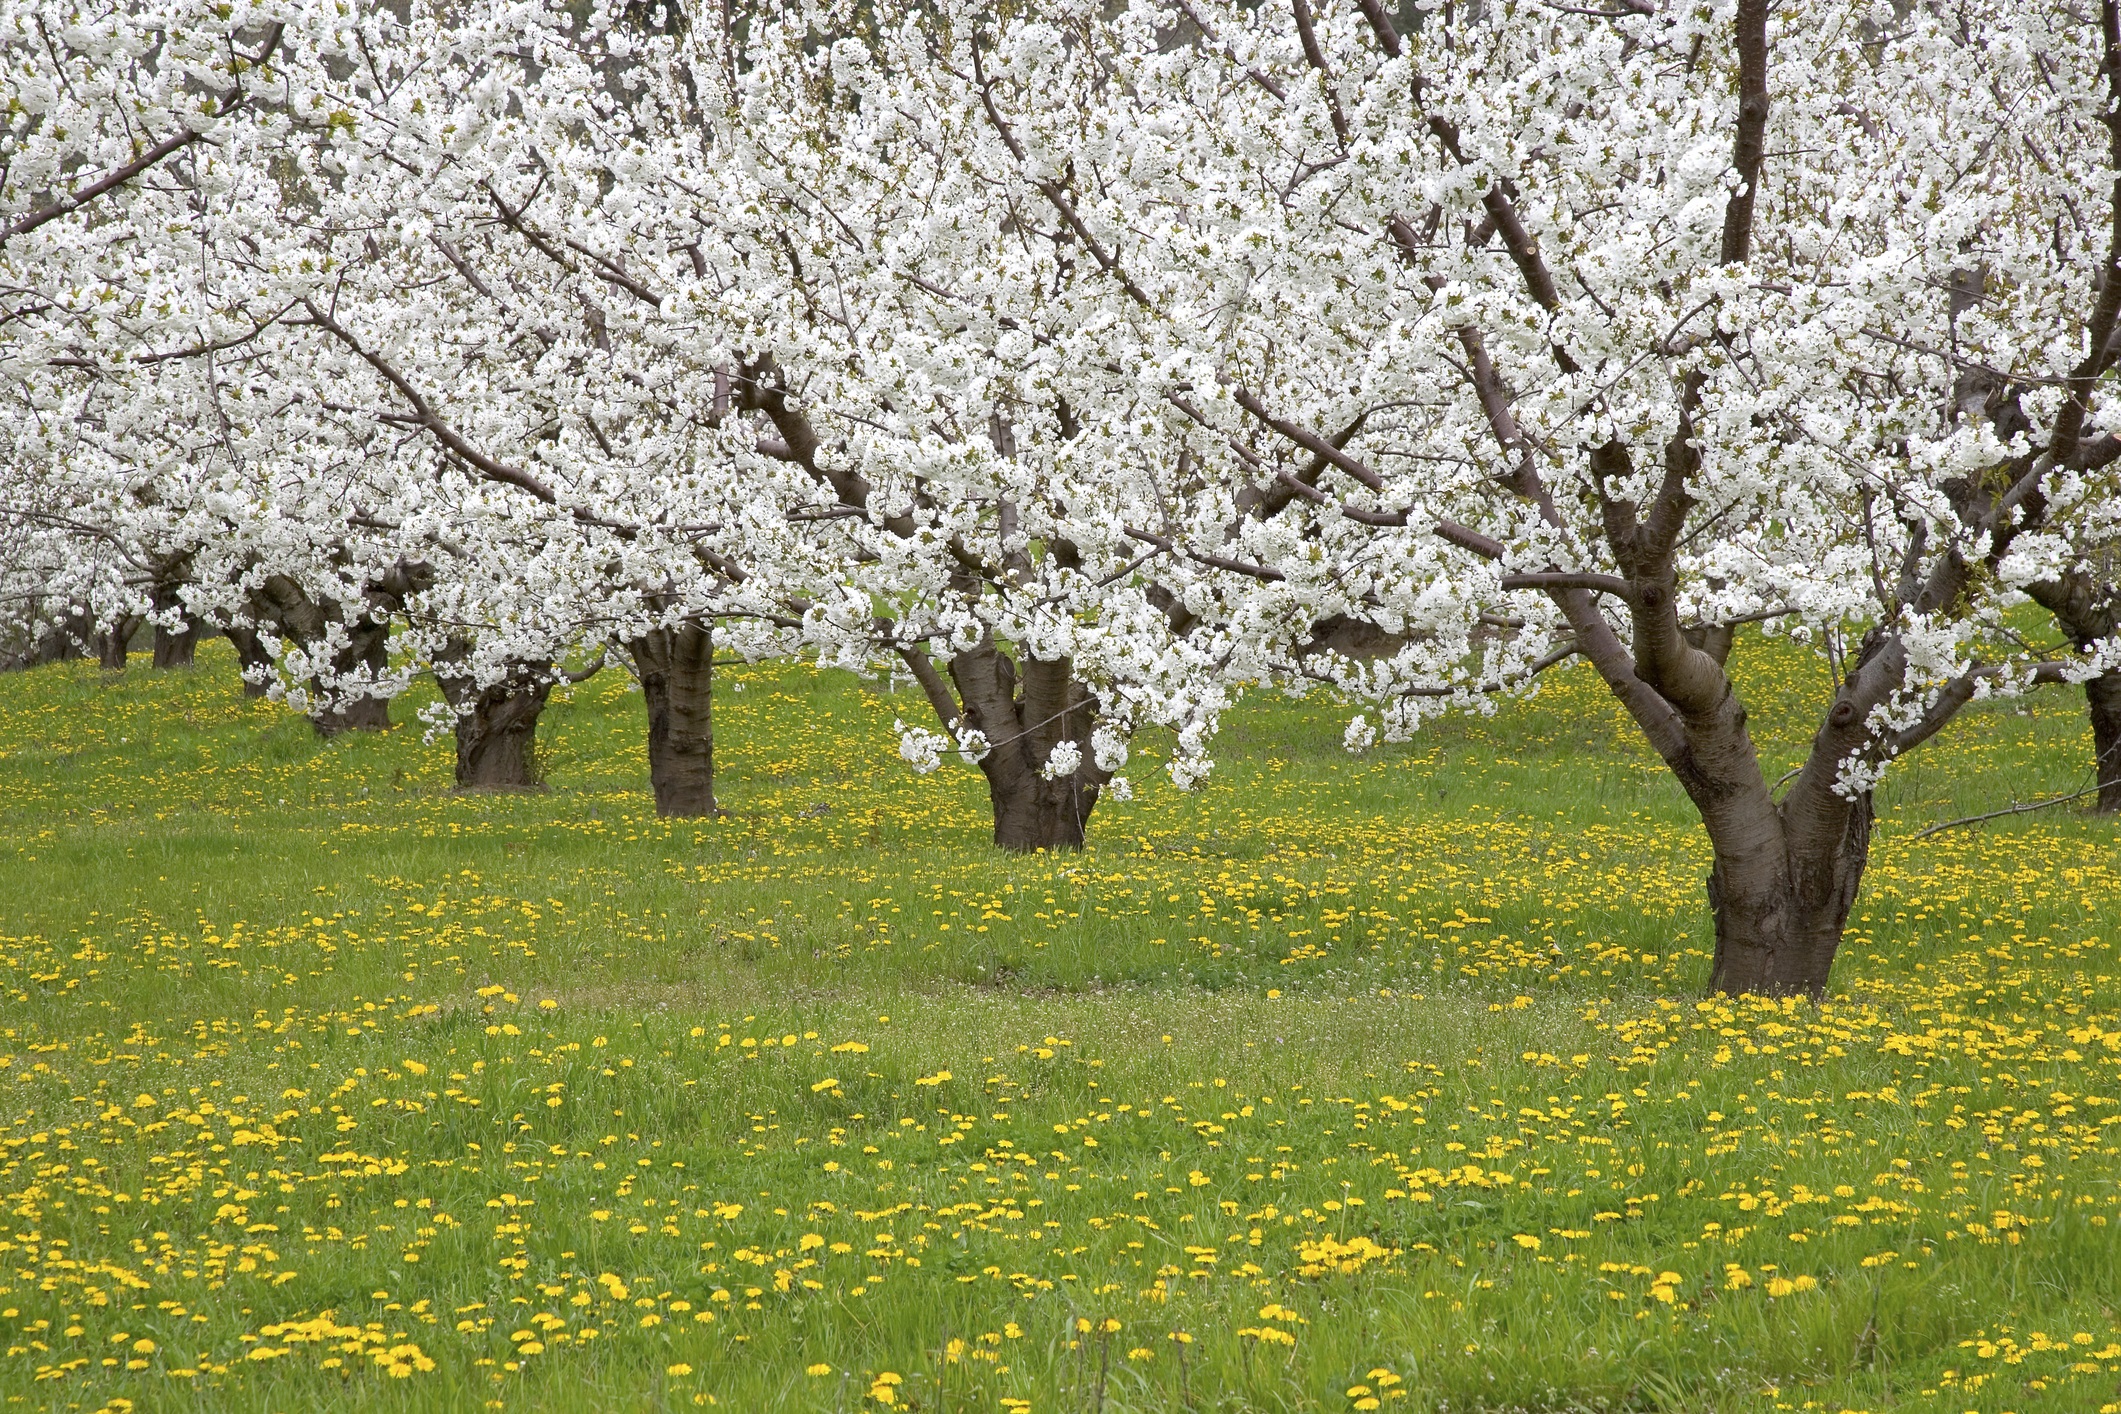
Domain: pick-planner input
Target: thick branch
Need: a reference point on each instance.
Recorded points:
(1310, 441)
(67, 205)
(1750, 145)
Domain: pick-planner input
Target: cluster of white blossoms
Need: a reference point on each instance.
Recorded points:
(1179, 346)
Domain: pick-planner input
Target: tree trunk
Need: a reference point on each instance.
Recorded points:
(177, 650)
(66, 643)
(251, 654)
(497, 727)
(1032, 811)
(1784, 875)
(114, 644)
(2104, 695)
(2087, 607)
(676, 668)
(1778, 928)
(368, 646)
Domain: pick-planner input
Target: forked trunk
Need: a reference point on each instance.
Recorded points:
(2103, 693)
(1778, 927)
(1784, 875)
(366, 653)
(255, 661)
(177, 650)
(114, 644)
(676, 668)
(497, 728)
(368, 646)
(1032, 810)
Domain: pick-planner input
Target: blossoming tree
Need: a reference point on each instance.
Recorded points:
(1539, 332)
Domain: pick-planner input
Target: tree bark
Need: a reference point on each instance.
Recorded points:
(250, 654)
(676, 669)
(114, 644)
(368, 647)
(2087, 607)
(175, 648)
(1780, 910)
(497, 727)
(2103, 693)
(1023, 724)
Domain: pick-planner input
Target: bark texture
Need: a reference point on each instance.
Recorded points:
(251, 654)
(365, 650)
(368, 648)
(1023, 721)
(174, 648)
(676, 669)
(177, 650)
(2087, 607)
(497, 726)
(114, 644)
(2104, 695)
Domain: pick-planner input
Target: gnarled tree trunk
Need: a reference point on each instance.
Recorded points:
(177, 650)
(251, 654)
(497, 726)
(676, 669)
(2104, 695)
(114, 644)
(174, 648)
(2087, 607)
(1032, 811)
(367, 646)
(1023, 724)
(1783, 874)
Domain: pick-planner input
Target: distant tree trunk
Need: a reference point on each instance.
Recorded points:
(251, 654)
(66, 643)
(497, 725)
(2104, 695)
(115, 643)
(1032, 811)
(1023, 727)
(676, 669)
(176, 648)
(366, 651)
(2087, 607)
(60, 642)
(368, 647)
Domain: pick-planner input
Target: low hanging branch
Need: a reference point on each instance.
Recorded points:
(2000, 814)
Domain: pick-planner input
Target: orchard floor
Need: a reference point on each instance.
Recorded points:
(1342, 1084)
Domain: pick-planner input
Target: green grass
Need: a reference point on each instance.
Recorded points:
(1402, 1059)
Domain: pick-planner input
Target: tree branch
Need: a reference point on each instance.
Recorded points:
(1749, 147)
(1263, 573)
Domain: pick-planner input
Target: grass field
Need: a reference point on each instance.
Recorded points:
(1342, 1084)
